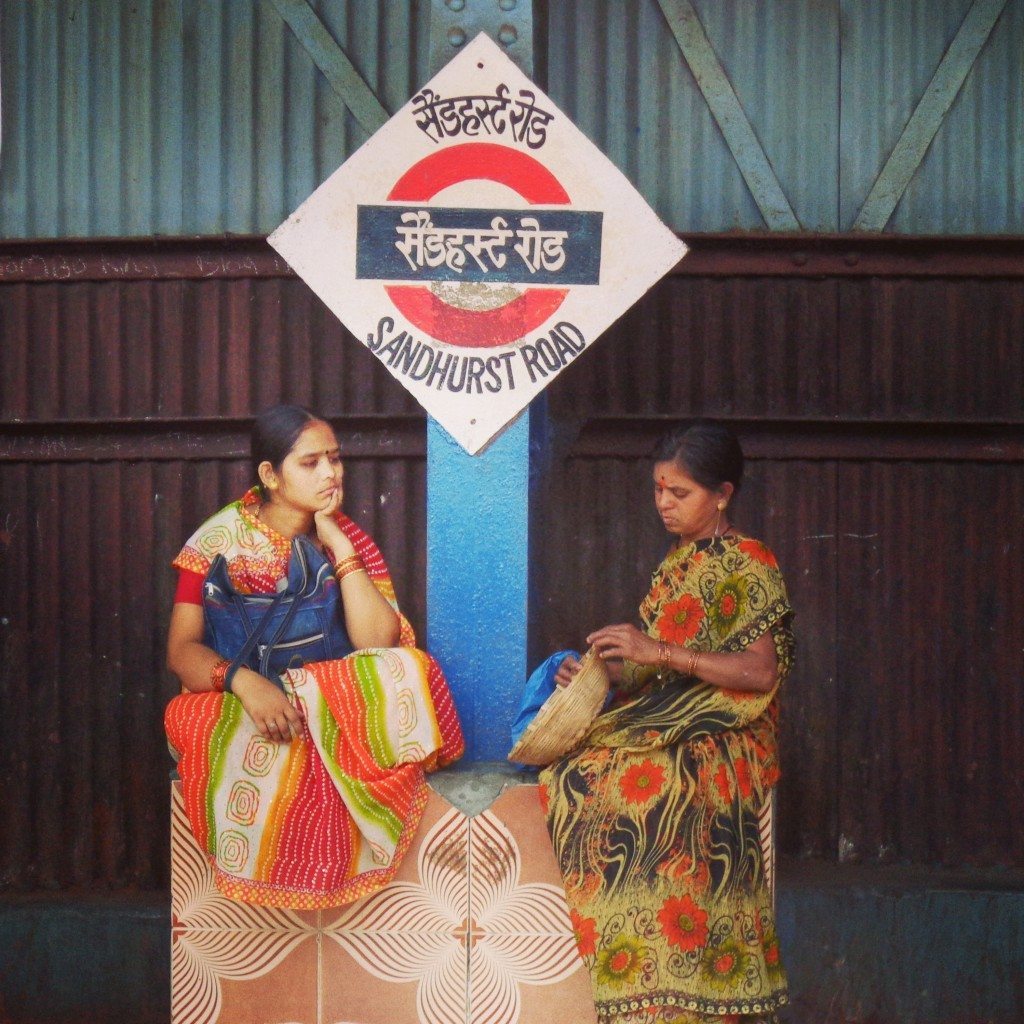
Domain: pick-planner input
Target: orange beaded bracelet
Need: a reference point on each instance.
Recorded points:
(217, 674)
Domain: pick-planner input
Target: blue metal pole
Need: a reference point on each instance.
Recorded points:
(478, 505)
(477, 544)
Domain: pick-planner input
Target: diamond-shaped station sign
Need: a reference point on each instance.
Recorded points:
(477, 243)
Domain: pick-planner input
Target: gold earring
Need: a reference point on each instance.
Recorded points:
(721, 506)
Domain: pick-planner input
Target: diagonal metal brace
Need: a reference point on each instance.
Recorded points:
(725, 107)
(329, 57)
(927, 118)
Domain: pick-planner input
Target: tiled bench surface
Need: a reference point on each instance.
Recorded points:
(474, 930)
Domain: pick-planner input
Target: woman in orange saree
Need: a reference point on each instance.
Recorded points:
(303, 782)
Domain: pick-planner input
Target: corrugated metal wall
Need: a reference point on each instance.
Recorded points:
(193, 117)
(124, 396)
(876, 385)
(971, 181)
(887, 456)
(827, 87)
(621, 77)
(883, 416)
(182, 117)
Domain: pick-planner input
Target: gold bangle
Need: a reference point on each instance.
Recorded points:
(664, 652)
(347, 566)
(691, 665)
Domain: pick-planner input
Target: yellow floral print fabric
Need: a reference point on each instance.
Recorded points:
(654, 819)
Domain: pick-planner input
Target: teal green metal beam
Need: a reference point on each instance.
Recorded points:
(455, 22)
(329, 57)
(927, 118)
(725, 107)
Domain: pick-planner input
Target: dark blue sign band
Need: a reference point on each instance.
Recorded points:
(432, 243)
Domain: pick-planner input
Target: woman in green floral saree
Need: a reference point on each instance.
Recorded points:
(654, 818)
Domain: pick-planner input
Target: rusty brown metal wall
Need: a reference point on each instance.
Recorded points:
(127, 373)
(876, 384)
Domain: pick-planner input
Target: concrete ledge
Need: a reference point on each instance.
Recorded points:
(862, 945)
(85, 959)
(474, 787)
(904, 945)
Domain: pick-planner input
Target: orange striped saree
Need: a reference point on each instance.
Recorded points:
(323, 820)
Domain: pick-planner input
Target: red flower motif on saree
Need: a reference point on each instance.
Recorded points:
(724, 964)
(724, 967)
(545, 799)
(724, 783)
(641, 782)
(729, 604)
(683, 923)
(584, 929)
(758, 552)
(619, 963)
(743, 779)
(680, 620)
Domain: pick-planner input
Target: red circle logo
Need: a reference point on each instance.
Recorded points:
(477, 328)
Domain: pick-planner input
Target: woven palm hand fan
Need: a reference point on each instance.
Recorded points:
(565, 716)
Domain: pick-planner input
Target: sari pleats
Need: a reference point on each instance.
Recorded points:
(323, 820)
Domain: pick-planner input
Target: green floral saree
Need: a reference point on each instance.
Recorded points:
(654, 819)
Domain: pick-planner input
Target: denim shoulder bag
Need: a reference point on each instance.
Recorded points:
(270, 633)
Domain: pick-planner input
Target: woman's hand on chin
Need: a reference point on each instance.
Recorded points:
(625, 641)
(267, 706)
(329, 532)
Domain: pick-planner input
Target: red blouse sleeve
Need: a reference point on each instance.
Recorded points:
(190, 587)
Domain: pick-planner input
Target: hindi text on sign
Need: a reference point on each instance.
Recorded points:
(432, 243)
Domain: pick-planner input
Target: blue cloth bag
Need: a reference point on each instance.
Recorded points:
(270, 633)
(538, 688)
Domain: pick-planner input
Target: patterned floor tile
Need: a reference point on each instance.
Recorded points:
(399, 956)
(284, 995)
(524, 966)
(474, 930)
(519, 810)
(224, 953)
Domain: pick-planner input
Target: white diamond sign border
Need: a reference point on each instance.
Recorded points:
(461, 325)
